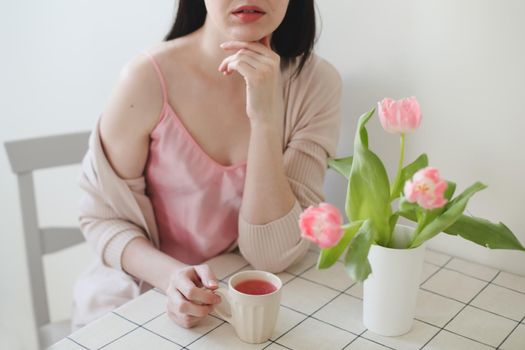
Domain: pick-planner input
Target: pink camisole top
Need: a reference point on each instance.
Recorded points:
(196, 200)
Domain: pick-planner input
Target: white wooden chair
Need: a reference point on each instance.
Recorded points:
(26, 156)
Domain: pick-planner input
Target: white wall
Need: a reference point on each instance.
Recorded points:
(464, 60)
(60, 58)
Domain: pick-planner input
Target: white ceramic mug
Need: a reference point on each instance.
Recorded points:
(252, 316)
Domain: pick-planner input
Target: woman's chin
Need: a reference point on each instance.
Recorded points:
(246, 35)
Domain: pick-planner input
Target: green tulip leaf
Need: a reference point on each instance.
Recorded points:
(479, 231)
(342, 165)
(356, 260)
(453, 211)
(329, 256)
(485, 233)
(368, 195)
(412, 168)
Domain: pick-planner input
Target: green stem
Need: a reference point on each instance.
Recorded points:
(421, 223)
(396, 187)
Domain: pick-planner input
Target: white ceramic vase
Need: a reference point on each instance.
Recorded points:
(390, 291)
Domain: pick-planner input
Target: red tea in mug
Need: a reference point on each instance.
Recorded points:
(255, 287)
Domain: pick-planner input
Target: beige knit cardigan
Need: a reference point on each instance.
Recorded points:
(113, 211)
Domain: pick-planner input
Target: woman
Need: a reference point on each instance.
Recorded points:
(214, 139)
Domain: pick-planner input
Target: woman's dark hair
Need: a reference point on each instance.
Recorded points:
(293, 39)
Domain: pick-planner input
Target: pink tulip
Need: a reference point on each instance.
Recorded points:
(400, 116)
(426, 188)
(322, 225)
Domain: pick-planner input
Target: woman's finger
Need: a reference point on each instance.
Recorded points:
(193, 293)
(207, 276)
(180, 305)
(253, 46)
(252, 62)
(185, 321)
(245, 52)
(242, 68)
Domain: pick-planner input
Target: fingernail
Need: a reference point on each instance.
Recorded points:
(212, 283)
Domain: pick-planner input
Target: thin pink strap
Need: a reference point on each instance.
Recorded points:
(160, 76)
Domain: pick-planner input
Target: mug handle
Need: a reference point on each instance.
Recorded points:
(223, 309)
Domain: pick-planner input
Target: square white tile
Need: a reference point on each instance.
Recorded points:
(141, 310)
(315, 335)
(502, 301)
(305, 296)
(309, 260)
(285, 277)
(141, 339)
(481, 325)
(516, 341)
(447, 341)
(344, 311)
(333, 277)
(435, 309)
(428, 270)
(226, 264)
(413, 340)
(365, 344)
(436, 258)
(472, 269)
(454, 285)
(286, 320)
(102, 331)
(224, 338)
(65, 344)
(165, 327)
(511, 281)
(356, 290)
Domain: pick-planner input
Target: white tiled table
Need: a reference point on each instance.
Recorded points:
(461, 306)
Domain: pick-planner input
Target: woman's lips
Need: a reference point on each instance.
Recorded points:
(248, 14)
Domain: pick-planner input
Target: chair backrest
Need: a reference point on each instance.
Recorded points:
(26, 156)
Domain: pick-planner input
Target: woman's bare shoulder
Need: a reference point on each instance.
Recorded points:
(130, 115)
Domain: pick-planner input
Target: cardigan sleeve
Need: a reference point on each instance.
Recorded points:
(104, 224)
(278, 244)
(104, 230)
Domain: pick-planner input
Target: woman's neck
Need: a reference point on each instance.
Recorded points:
(208, 40)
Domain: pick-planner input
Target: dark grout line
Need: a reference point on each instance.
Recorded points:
(492, 312)
(461, 310)
(466, 274)
(512, 331)
(208, 332)
(345, 292)
(122, 336)
(469, 303)
(225, 279)
(322, 285)
(309, 316)
(435, 272)
(160, 335)
(147, 329)
(449, 331)
(512, 289)
(74, 341)
(353, 340)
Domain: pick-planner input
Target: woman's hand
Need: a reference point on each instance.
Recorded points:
(260, 67)
(190, 295)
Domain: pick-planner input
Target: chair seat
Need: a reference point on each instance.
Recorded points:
(54, 332)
